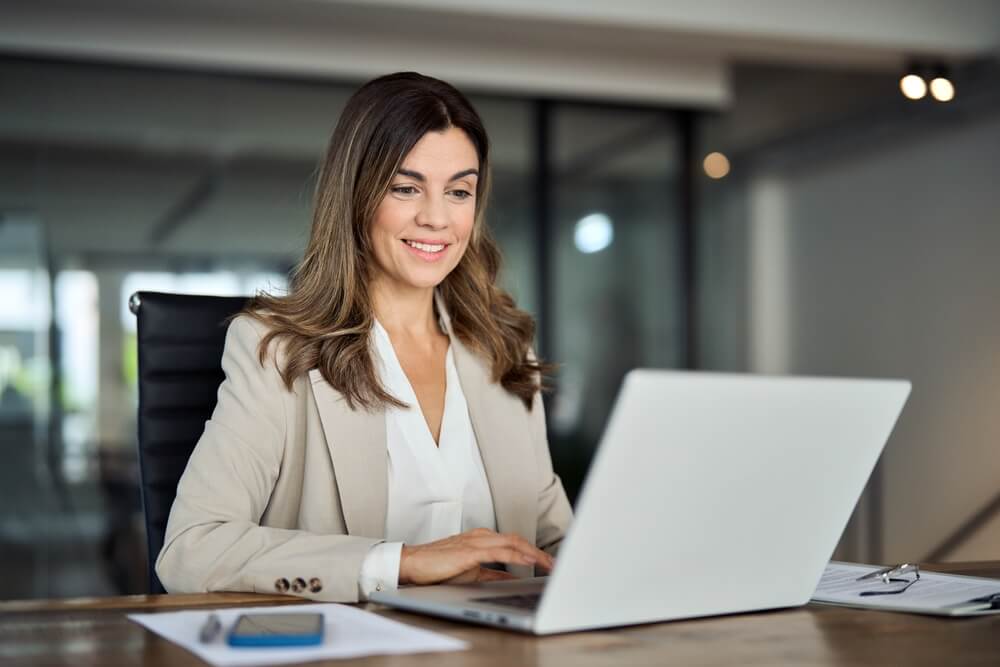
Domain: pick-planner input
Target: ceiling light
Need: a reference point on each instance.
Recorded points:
(913, 86)
(942, 89)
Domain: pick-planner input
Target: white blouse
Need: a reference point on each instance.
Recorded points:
(435, 490)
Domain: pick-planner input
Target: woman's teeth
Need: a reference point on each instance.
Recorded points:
(426, 247)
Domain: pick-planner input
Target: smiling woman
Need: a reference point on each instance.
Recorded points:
(381, 422)
(428, 215)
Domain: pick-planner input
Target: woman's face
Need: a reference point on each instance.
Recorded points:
(422, 227)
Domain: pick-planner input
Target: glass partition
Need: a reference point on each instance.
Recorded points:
(31, 517)
(616, 292)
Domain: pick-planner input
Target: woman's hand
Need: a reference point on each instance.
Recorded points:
(458, 559)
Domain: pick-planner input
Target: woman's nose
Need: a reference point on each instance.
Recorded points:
(433, 213)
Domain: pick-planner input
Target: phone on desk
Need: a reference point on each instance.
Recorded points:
(261, 629)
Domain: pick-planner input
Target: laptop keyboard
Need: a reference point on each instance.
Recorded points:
(528, 601)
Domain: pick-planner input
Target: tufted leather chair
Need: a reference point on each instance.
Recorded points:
(180, 341)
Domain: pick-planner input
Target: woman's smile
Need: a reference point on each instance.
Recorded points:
(428, 251)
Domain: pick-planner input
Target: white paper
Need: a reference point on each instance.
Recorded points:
(934, 593)
(349, 633)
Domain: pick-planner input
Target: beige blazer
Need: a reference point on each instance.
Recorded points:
(286, 490)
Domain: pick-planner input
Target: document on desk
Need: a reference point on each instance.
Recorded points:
(933, 593)
(349, 633)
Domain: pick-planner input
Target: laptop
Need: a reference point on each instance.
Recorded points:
(709, 494)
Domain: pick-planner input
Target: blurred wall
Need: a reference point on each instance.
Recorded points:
(882, 261)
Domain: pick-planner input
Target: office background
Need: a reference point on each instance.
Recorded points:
(847, 231)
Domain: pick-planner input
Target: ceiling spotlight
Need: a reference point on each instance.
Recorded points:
(913, 86)
(942, 89)
(716, 165)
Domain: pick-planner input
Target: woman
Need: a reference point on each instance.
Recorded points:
(381, 423)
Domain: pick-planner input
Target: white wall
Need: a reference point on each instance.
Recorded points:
(892, 260)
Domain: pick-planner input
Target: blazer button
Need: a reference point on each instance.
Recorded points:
(298, 585)
(315, 585)
(281, 585)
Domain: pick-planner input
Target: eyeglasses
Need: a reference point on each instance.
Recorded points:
(904, 573)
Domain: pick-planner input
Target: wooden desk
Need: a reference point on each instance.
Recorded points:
(95, 632)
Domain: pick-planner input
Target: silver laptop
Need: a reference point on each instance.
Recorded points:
(709, 494)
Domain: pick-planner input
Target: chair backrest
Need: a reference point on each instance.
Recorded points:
(180, 342)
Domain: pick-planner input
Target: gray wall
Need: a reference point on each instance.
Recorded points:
(890, 262)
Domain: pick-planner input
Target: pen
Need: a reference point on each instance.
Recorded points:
(983, 603)
(210, 630)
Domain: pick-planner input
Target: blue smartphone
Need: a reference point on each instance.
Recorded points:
(293, 629)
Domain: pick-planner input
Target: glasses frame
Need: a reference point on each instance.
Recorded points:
(891, 575)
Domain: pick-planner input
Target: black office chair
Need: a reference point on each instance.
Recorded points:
(181, 339)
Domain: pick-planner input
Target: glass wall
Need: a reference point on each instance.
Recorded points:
(172, 180)
(616, 290)
(511, 214)
(30, 475)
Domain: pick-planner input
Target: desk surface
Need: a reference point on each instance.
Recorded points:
(95, 631)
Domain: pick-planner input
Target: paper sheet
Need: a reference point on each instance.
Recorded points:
(934, 593)
(349, 633)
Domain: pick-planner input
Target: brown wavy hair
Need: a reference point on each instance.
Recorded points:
(325, 318)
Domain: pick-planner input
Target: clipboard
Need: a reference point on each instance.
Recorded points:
(932, 593)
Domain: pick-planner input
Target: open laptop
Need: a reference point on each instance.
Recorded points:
(709, 494)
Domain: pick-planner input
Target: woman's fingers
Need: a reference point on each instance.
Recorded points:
(460, 556)
(506, 555)
(540, 557)
(533, 555)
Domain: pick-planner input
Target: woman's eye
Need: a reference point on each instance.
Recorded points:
(461, 194)
(404, 190)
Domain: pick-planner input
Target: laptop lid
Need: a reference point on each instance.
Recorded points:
(714, 494)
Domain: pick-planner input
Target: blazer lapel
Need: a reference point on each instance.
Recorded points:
(503, 437)
(356, 440)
